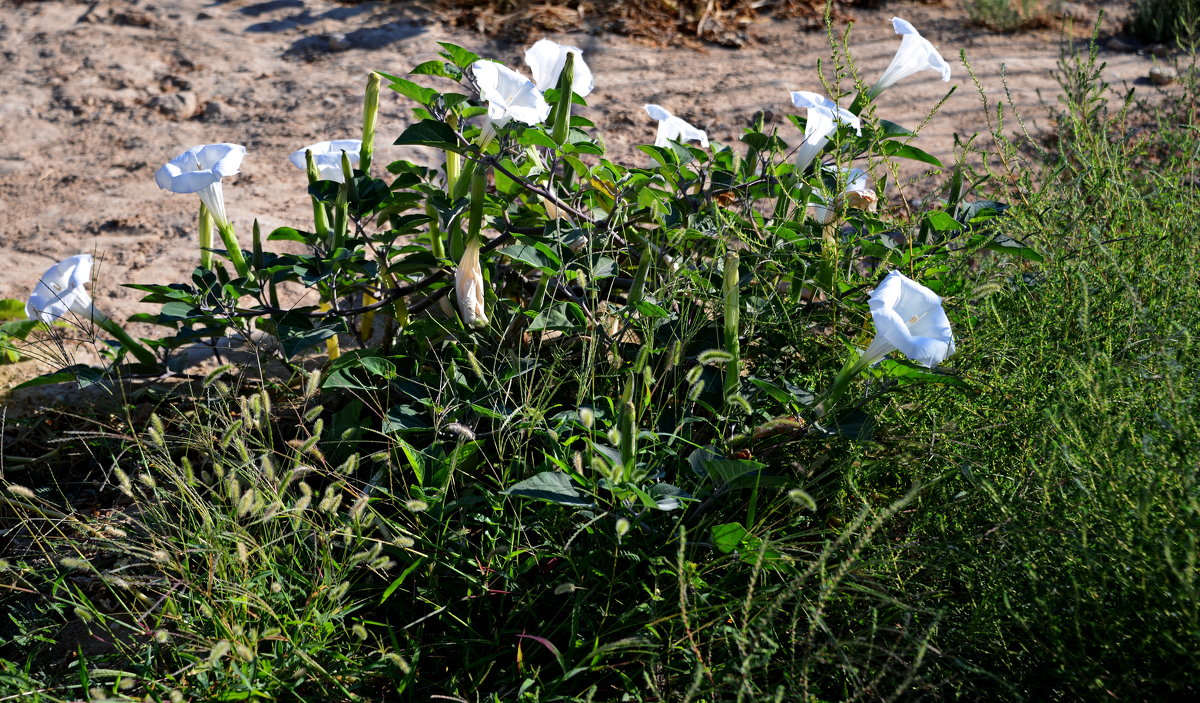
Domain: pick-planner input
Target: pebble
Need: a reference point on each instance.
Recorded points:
(1118, 44)
(180, 106)
(339, 42)
(1162, 75)
(216, 110)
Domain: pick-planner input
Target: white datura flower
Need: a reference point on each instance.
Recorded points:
(855, 193)
(915, 54)
(671, 128)
(327, 157)
(200, 170)
(468, 286)
(823, 113)
(61, 293)
(510, 96)
(547, 59)
(908, 317)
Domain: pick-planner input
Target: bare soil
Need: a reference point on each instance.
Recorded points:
(95, 96)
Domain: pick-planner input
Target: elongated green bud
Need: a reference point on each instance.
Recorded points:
(370, 119)
(562, 110)
(453, 160)
(733, 305)
(206, 238)
(320, 217)
(628, 440)
(638, 287)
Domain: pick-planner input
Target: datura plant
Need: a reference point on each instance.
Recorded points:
(441, 295)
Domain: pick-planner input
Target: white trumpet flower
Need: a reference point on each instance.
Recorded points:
(908, 317)
(468, 286)
(915, 54)
(671, 128)
(820, 125)
(327, 157)
(857, 194)
(61, 293)
(510, 96)
(547, 59)
(200, 170)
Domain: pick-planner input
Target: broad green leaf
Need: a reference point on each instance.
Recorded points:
(11, 309)
(563, 316)
(552, 486)
(534, 256)
(728, 537)
(907, 151)
(408, 89)
(460, 56)
(942, 222)
(18, 329)
(429, 133)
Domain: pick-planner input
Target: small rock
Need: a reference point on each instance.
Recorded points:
(1162, 75)
(339, 42)
(1120, 45)
(180, 106)
(216, 110)
(1160, 51)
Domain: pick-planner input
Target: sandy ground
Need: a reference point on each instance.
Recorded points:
(95, 96)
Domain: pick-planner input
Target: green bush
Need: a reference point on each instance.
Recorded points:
(1159, 21)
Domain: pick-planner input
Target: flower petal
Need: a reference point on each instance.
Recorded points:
(61, 292)
(910, 317)
(509, 94)
(547, 59)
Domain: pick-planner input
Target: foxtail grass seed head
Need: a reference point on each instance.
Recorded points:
(383, 564)
(21, 491)
(220, 649)
(246, 504)
(356, 510)
(803, 499)
(587, 417)
(123, 481)
(416, 505)
(313, 413)
(216, 374)
(359, 631)
(161, 556)
(404, 542)
(399, 662)
(244, 653)
(83, 614)
(338, 592)
(176, 696)
(312, 384)
(243, 552)
(622, 528)
(75, 563)
(276, 587)
(332, 500)
(161, 636)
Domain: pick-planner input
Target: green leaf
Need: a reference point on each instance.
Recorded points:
(460, 56)
(437, 68)
(891, 129)
(11, 309)
(943, 222)
(82, 374)
(907, 151)
(405, 418)
(553, 486)
(289, 234)
(668, 497)
(563, 316)
(534, 256)
(906, 372)
(18, 329)
(430, 133)
(420, 93)
(728, 537)
(1007, 245)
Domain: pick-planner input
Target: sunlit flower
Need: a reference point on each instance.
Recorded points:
(61, 293)
(510, 96)
(820, 125)
(908, 317)
(547, 59)
(671, 128)
(468, 286)
(915, 54)
(200, 170)
(857, 194)
(327, 157)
